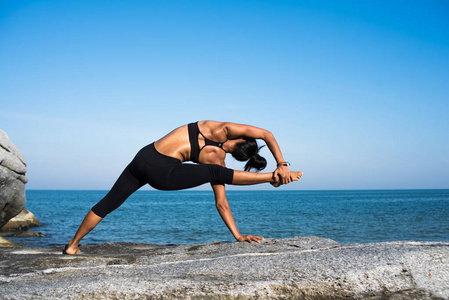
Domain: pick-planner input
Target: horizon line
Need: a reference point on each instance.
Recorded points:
(249, 190)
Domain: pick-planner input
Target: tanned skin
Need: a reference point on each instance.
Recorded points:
(176, 144)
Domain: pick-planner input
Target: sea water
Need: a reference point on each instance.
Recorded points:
(188, 217)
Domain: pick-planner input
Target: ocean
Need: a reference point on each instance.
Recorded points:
(189, 217)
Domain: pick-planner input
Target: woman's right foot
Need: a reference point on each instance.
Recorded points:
(296, 176)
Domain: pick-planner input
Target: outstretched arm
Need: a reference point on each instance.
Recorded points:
(225, 212)
(282, 171)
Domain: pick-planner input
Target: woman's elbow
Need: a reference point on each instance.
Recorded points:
(268, 135)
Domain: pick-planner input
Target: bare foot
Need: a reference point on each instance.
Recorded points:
(71, 249)
(296, 176)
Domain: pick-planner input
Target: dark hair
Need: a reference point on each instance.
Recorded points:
(248, 151)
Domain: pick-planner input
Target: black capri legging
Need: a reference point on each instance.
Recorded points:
(161, 172)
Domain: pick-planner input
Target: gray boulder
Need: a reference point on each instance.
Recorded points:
(22, 221)
(6, 243)
(12, 179)
(295, 268)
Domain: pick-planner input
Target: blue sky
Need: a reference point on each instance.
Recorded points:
(356, 92)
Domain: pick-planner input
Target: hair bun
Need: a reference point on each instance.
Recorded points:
(248, 151)
(256, 162)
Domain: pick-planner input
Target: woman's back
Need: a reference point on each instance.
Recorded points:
(177, 143)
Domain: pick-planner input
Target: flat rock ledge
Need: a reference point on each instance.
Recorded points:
(295, 268)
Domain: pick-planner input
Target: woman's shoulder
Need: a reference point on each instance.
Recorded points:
(211, 123)
(214, 125)
(214, 128)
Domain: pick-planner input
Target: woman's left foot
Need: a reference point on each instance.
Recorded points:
(70, 250)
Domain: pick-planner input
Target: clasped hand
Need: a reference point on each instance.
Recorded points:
(283, 174)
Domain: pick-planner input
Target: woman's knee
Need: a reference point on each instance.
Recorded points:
(221, 174)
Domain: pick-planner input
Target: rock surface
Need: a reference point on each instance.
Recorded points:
(296, 268)
(12, 179)
(6, 243)
(24, 220)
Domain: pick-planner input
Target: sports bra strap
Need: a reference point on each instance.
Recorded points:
(208, 142)
(194, 132)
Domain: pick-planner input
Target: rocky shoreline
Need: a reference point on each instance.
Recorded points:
(296, 268)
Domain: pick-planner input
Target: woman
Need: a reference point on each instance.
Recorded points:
(206, 143)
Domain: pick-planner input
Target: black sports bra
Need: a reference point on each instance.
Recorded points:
(194, 132)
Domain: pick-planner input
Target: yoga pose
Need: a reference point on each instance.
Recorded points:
(206, 143)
